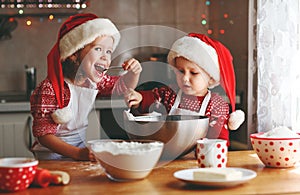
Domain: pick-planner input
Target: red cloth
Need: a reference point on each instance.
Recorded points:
(74, 21)
(55, 74)
(225, 64)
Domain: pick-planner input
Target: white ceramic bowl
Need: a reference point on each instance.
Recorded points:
(16, 174)
(127, 160)
(179, 133)
(276, 152)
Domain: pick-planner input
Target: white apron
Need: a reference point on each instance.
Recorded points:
(74, 132)
(178, 111)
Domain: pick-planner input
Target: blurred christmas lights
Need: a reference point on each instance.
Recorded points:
(51, 17)
(50, 4)
(28, 22)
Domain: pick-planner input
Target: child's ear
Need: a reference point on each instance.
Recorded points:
(73, 57)
(211, 81)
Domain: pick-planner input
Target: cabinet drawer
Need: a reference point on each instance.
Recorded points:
(14, 135)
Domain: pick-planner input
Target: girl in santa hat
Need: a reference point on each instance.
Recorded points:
(199, 63)
(61, 103)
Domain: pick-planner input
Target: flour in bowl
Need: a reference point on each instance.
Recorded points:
(131, 148)
(280, 132)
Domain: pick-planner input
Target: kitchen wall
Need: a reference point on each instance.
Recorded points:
(30, 44)
(235, 37)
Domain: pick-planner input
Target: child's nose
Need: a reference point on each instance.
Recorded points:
(103, 56)
(185, 77)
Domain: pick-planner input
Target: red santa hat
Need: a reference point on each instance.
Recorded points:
(76, 32)
(216, 60)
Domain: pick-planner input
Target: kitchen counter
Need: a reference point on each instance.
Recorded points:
(24, 106)
(87, 178)
(17, 102)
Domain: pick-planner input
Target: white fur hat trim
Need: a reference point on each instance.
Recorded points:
(236, 118)
(86, 33)
(199, 52)
(62, 116)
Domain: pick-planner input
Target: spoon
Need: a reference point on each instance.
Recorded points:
(116, 71)
(113, 70)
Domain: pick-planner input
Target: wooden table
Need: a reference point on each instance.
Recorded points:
(88, 178)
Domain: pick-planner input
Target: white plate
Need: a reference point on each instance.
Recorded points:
(187, 176)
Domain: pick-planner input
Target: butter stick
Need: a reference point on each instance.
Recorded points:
(217, 173)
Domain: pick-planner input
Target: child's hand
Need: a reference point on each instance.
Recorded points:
(92, 157)
(132, 66)
(85, 154)
(133, 98)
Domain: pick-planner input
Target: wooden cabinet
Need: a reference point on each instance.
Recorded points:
(15, 135)
(15, 125)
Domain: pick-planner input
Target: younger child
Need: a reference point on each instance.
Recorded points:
(199, 63)
(61, 103)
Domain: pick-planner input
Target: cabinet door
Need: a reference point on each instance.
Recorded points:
(15, 135)
(16, 138)
(93, 131)
(112, 123)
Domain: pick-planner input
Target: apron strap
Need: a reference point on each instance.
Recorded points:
(177, 101)
(203, 105)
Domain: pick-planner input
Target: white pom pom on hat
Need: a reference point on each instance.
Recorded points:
(62, 116)
(236, 118)
(216, 60)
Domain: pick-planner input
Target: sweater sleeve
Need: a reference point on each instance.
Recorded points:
(158, 100)
(218, 112)
(42, 104)
(111, 85)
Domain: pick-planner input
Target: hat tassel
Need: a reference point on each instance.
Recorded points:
(236, 118)
(62, 116)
